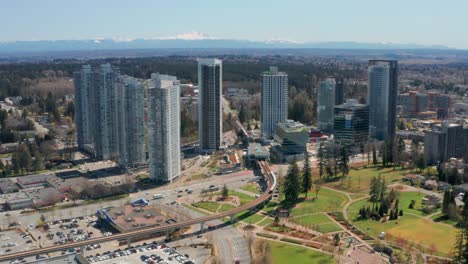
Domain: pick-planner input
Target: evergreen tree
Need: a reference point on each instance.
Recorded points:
(225, 192)
(344, 161)
(374, 155)
(384, 153)
(242, 114)
(291, 184)
(421, 162)
(374, 192)
(400, 151)
(306, 176)
(446, 201)
(383, 188)
(320, 156)
(461, 244)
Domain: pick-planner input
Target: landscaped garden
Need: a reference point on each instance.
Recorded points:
(317, 221)
(327, 201)
(286, 253)
(412, 228)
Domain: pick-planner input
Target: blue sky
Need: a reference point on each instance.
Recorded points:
(430, 22)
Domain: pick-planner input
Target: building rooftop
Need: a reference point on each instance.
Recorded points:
(274, 71)
(293, 126)
(59, 183)
(257, 151)
(34, 179)
(44, 196)
(350, 104)
(16, 196)
(7, 186)
(209, 61)
(128, 217)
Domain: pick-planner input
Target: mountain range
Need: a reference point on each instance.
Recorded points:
(193, 43)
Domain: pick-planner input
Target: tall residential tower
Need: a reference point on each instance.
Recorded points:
(274, 100)
(164, 127)
(131, 122)
(109, 115)
(381, 98)
(210, 111)
(325, 103)
(84, 83)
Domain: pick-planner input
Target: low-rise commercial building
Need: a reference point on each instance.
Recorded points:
(33, 181)
(7, 186)
(18, 200)
(128, 218)
(292, 138)
(44, 196)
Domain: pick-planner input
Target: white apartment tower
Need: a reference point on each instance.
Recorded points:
(274, 100)
(164, 127)
(131, 118)
(210, 111)
(104, 112)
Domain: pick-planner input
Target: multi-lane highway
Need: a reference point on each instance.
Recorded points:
(263, 199)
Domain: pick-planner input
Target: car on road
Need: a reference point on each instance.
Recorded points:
(158, 196)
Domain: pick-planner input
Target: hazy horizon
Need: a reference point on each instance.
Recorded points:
(428, 23)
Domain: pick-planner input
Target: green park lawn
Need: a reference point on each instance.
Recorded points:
(327, 201)
(412, 227)
(266, 221)
(253, 188)
(195, 209)
(317, 221)
(285, 253)
(251, 219)
(225, 207)
(209, 206)
(244, 198)
(405, 200)
(359, 179)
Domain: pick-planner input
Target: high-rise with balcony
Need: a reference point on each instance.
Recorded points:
(109, 115)
(104, 114)
(381, 98)
(325, 103)
(210, 114)
(164, 127)
(84, 83)
(130, 121)
(274, 100)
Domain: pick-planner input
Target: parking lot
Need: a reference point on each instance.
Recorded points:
(67, 230)
(146, 253)
(14, 241)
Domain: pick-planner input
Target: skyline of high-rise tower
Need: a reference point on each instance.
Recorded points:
(274, 100)
(381, 98)
(210, 110)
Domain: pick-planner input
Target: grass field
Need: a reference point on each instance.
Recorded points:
(251, 219)
(244, 198)
(225, 207)
(209, 206)
(251, 188)
(195, 209)
(285, 253)
(405, 200)
(412, 228)
(318, 221)
(327, 201)
(359, 179)
(266, 221)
